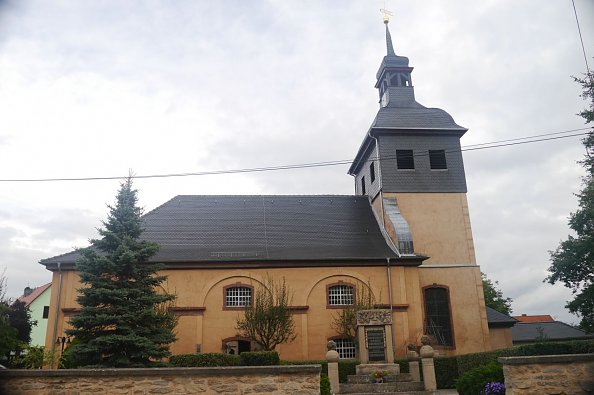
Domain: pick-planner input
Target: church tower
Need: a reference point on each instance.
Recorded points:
(410, 167)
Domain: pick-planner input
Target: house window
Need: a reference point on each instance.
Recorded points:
(437, 315)
(45, 312)
(345, 348)
(437, 159)
(341, 295)
(362, 185)
(238, 296)
(405, 159)
(372, 171)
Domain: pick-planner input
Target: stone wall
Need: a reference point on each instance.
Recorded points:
(549, 374)
(301, 380)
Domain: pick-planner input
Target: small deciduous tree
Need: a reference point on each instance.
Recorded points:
(344, 321)
(268, 319)
(494, 296)
(572, 263)
(121, 322)
(9, 340)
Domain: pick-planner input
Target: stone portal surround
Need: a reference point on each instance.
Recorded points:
(549, 374)
(298, 379)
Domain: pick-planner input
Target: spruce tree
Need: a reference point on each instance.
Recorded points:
(122, 322)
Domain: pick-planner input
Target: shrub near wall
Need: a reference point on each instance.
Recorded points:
(259, 358)
(203, 360)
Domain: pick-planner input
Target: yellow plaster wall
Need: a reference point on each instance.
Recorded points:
(500, 338)
(204, 289)
(469, 318)
(439, 223)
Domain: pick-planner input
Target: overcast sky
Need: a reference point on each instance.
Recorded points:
(96, 88)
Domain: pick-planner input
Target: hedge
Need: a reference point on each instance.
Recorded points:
(259, 358)
(204, 360)
(473, 382)
(446, 369)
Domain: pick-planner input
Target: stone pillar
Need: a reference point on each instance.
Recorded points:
(428, 367)
(413, 363)
(332, 358)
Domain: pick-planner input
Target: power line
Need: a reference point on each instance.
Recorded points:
(473, 147)
(577, 22)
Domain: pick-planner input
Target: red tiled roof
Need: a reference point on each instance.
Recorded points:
(534, 318)
(27, 300)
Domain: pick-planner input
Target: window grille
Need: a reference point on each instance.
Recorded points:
(437, 310)
(345, 348)
(340, 295)
(437, 159)
(405, 159)
(238, 297)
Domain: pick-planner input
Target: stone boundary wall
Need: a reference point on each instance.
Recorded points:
(549, 374)
(297, 379)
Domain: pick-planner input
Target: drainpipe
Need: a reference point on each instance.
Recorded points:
(57, 308)
(389, 272)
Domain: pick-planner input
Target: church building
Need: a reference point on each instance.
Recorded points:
(404, 236)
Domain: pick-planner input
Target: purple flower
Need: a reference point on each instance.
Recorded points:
(494, 388)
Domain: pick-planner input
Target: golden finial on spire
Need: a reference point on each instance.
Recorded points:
(387, 15)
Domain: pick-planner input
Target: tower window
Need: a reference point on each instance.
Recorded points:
(437, 315)
(405, 159)
(372, 171)
(437, 159)
(362, 185)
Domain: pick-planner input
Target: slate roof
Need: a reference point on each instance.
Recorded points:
(524, 332)
(261, 228)
(27, 300)
(414, 118)
(496, 319)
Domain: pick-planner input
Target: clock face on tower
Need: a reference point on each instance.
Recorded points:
(385, 99)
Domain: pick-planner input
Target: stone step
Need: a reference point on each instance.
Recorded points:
(391, 378)
(382, 388)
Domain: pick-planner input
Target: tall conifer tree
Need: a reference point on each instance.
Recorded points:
(121, 322)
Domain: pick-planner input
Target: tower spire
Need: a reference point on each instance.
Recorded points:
(389, 45)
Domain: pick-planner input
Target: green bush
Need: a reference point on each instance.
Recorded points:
(552, 348)
(259, 358)
(468, 362)
(404, 368)
(446, 371)
(203, 360)
(346, 368)
(324, 385)
(473, 382)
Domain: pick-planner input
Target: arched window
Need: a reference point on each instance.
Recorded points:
(345, 348)
(238, 296)
(438, 322)
(341, 295)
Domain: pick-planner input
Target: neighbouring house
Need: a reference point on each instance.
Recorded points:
(500, 329)
(531, 329)
(534, 318)
(405, 233)
(38, 302)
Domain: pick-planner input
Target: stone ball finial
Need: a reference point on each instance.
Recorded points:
(331, 345)
(332, 354)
